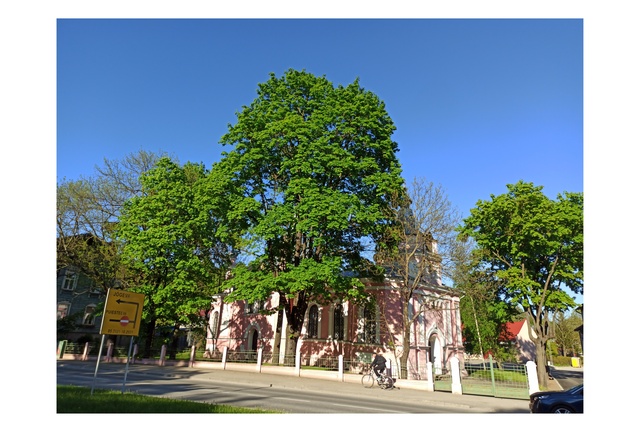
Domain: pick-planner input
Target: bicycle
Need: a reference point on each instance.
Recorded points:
(384, 381)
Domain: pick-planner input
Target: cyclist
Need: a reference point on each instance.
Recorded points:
(378, 364)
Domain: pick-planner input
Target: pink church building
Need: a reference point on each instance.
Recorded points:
(348, 330)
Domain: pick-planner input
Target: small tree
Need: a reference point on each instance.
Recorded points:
(87, 213)
(535, 247)
(67, 324)
(170, 240)
(565, 335)
(483, 311)
(425, 223)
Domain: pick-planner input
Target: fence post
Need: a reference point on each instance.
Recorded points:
(456, 385)
(297, 363)
(340, 367)
(109, 350)
(62, 346)
(224, 357)
(192, 357)
(163, 353)
(85, 354)
(430, 383)
(532, 377)
(259, 365)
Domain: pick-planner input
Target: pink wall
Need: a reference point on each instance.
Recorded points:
(439, 323)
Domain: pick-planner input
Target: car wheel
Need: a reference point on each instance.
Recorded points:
(562, 410)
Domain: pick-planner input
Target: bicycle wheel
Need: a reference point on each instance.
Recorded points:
(367, 380)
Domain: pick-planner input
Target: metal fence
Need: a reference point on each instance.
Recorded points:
(328, 363)
(120, 351)
(507, 380)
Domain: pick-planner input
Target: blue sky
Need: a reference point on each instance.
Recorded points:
(477, 103)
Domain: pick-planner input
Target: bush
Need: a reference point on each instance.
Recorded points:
(561, 361)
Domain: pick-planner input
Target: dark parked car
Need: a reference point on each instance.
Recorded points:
(558, 402)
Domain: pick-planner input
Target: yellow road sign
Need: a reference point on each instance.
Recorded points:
(122, 313)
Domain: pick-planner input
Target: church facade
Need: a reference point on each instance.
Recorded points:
(349, 330)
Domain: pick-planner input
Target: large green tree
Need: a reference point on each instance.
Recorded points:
(535, 247)
(315, 167)
(170, 238)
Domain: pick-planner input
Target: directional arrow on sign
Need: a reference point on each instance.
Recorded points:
(125, 320)
(122, 313)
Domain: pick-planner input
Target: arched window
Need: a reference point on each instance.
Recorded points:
(253, 340)
(338, 323)
(370, 326)
(312, 329)
(89, 316)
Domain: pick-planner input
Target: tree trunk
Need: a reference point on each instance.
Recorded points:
(406, 341)
(290, 347)
(541, 363)
(295, 319)
(148, 343)
(277, 337)
(174, 342)
(475, 319)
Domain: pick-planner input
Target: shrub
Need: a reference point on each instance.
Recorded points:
(561, 361)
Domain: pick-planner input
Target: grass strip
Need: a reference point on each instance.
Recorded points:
(77, 399)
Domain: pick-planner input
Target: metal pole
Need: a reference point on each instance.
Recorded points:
(126, 369)
(95, 374)
(493, 377)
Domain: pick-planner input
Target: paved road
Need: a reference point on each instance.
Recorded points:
(286, 393)
(567, 377)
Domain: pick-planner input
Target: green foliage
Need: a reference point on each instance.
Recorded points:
(534, 244)
(74, 399)
(482, 308)
(563, 361)
(499, 375)
(483, 322)
(169, 239)
(311, 174)
(67, 325)
(534, 247)
(566, 338)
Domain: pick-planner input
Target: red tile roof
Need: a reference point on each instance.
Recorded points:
(511, 331)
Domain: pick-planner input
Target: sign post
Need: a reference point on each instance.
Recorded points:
(122, 316)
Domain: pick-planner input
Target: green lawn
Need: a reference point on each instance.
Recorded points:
(500, 375)
(75, 399)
